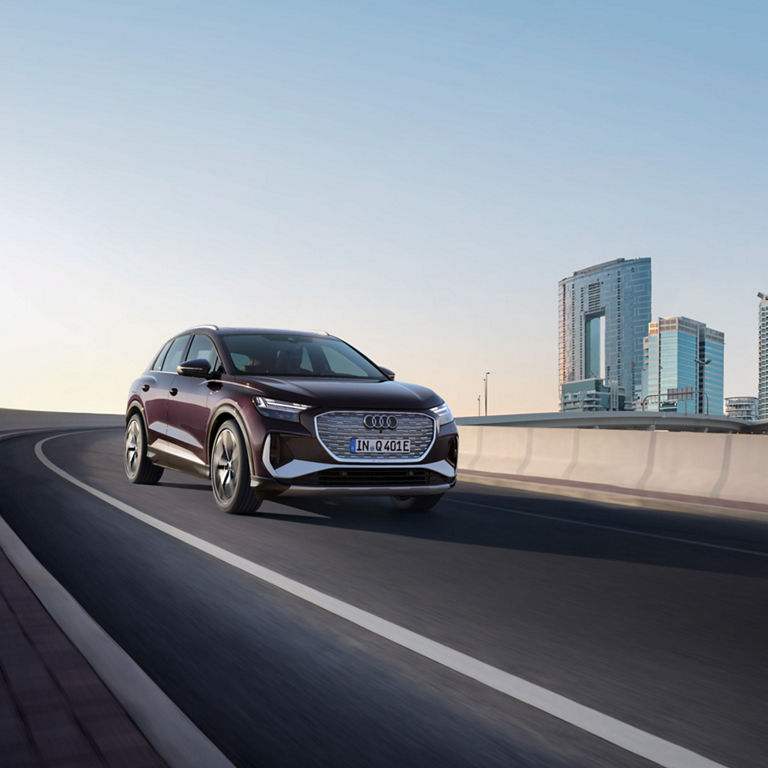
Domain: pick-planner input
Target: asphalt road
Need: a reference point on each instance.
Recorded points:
(656, 619)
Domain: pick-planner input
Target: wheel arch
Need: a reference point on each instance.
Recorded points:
(222, 414)
(135, 407)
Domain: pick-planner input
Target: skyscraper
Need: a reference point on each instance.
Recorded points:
(683, 368)
(762, 382)
(604, 313)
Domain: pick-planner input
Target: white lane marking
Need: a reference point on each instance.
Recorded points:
(610, 729)
(629, 531)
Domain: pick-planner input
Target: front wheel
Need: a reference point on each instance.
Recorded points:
(230, 477)
(138, 468)
(416, 503)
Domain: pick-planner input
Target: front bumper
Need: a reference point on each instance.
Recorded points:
(299, 477)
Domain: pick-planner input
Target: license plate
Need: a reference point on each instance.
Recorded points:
(379, 445)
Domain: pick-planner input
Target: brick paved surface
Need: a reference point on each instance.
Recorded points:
(54, 709)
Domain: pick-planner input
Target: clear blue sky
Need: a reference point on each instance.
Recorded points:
(414, 177)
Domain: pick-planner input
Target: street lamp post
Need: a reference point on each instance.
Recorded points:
(644, 401)
(478, 404)
(485, 379)
(700, 383)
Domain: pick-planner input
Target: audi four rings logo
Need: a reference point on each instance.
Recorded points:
(380, 421)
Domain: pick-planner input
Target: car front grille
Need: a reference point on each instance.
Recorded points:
(371, 478)
(335, 429)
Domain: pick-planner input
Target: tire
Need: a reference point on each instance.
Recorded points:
(230, 474)
(416, 503)
(138, 468)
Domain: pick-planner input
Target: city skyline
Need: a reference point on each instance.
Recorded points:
(413, 179)
(613, 357)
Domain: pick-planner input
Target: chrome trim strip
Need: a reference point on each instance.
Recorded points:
(265, 456)
(367, 460)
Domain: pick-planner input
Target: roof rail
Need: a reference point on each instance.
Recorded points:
(194, 328)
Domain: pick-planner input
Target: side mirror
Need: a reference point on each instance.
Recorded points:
(199, 368)
(389, 374)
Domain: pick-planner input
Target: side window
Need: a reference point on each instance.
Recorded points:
(158, 361)
(175, 354)
(202, 349)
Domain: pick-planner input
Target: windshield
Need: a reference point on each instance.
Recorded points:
(282, 354)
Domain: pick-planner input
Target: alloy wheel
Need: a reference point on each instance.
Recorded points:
(226, 463)
(132, 447)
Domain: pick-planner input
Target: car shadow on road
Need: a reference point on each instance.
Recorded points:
(188, 486)
(479, 516)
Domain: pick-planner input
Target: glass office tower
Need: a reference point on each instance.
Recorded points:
(762, 359)
(676, 374)
(604, 313)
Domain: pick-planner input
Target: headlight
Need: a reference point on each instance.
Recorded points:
(443, 414)
(279, 409)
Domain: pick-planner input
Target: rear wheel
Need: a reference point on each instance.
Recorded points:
(230, 477)
(416, 503)
(138, 468)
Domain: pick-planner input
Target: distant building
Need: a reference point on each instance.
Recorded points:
(683, 367)
(590, 395)
(744, 408)
(604, 313)
(762, 385)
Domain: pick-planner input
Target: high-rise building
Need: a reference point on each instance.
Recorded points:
(744, 408)
(762, 383)
(604, 313)
(683, 368)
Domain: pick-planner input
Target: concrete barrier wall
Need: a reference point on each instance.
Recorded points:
(727, 467)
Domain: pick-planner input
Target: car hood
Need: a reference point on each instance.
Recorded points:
(343, 393)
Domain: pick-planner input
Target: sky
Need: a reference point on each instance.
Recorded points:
(414, 177)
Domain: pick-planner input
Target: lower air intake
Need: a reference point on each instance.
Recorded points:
(372, 478)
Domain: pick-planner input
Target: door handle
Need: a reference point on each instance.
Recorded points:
(173, 391)
(145, 387)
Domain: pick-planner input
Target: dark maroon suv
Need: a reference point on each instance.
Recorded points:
(266, 412)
